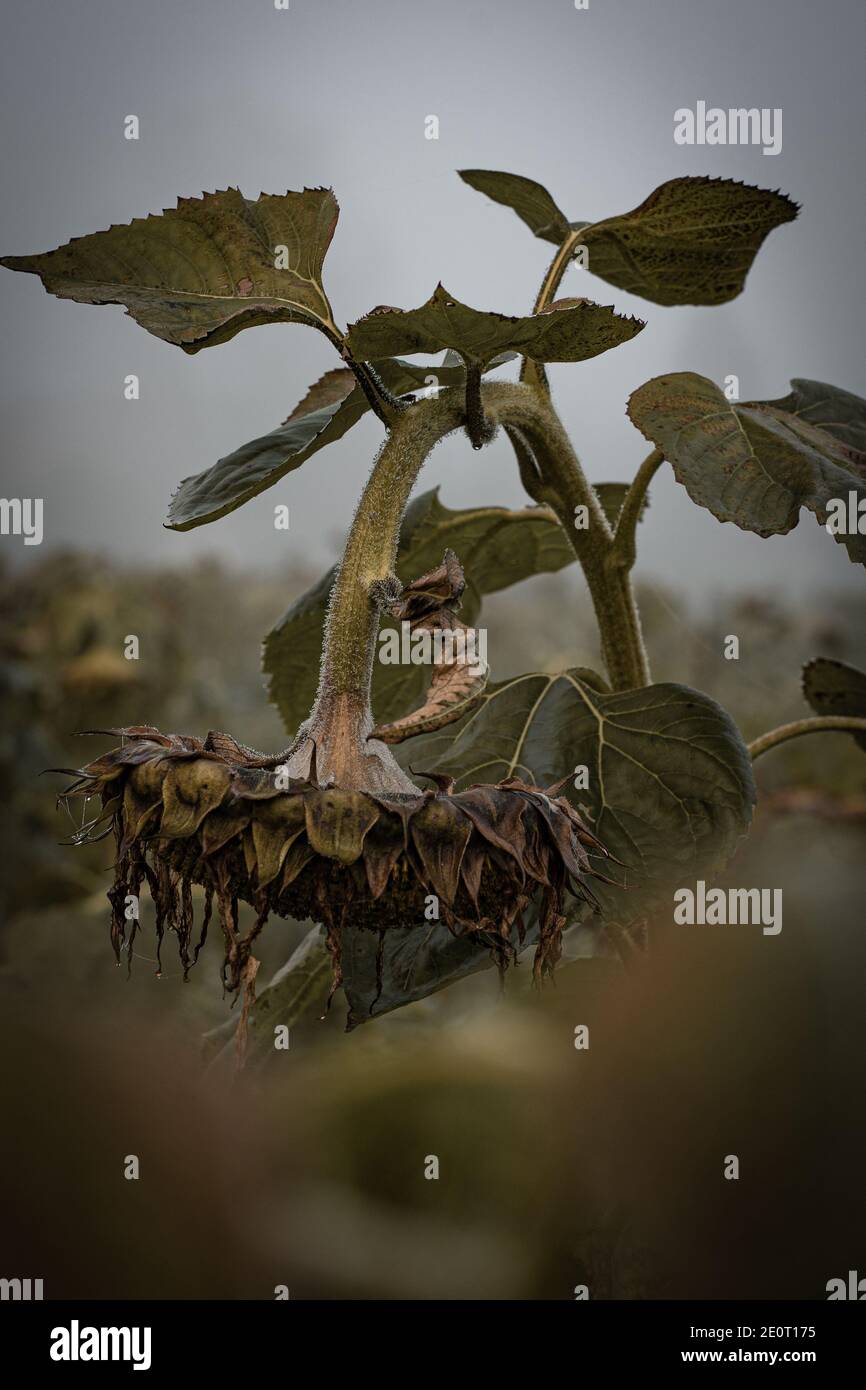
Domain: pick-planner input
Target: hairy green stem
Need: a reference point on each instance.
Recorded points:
(530, 477)
(558, 266)
(532, 422)
(371, 547)
(623, 552)
(383, 401)
(533, 373)
(478, 427)
(379, 398)
(830, 723)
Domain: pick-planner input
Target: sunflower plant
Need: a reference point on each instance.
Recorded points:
(426, 821)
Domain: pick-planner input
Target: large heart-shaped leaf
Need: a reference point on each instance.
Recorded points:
(330, 408)
(569, 330)
(839, 412)
(751, 464)
(497, 547)
(198, 273)
(670, 789)
(831, 687)
(692, 241)
(530, 200)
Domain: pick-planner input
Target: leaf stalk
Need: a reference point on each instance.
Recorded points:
(829, 724)
(533, 373)
(623, 552)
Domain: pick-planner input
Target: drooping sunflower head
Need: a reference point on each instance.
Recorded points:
(187, 811)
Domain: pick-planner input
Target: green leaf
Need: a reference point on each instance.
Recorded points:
(839, 412)
(750, 464)
(198, 273)
(330, 390)
(670, 780)
(243, 474)
(611, 496)
(692, 241)
(530, 200)
(381, 975)
(831, 687)
(569, 330)
(497, 547)
(330, 408)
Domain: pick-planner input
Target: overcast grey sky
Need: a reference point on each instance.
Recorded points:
(336, 92)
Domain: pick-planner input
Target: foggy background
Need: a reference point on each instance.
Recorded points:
(336, 92)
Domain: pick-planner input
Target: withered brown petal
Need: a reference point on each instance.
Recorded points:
(518, 784)
(147, 778)
(249, 849)
(103, 769)
(440, 835)
(337, 821)
(298, 857)
(497, 815)
(405, 807)
(255, 784)
(136, 811)
(275, 825)
(472, 868)
(444, 781)
(581, 829)
(189, 791)
(554, 790)
(563, 834)
(535, 849)
(222, 825)
(383, 844)
(132, 731)
(144, 751)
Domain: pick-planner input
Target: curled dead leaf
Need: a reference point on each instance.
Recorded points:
(460, 671)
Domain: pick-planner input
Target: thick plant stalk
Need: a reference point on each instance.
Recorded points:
(371, 547)
(338, 729)
(528, 414)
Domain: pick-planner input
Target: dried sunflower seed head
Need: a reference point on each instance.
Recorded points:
(187, 811)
